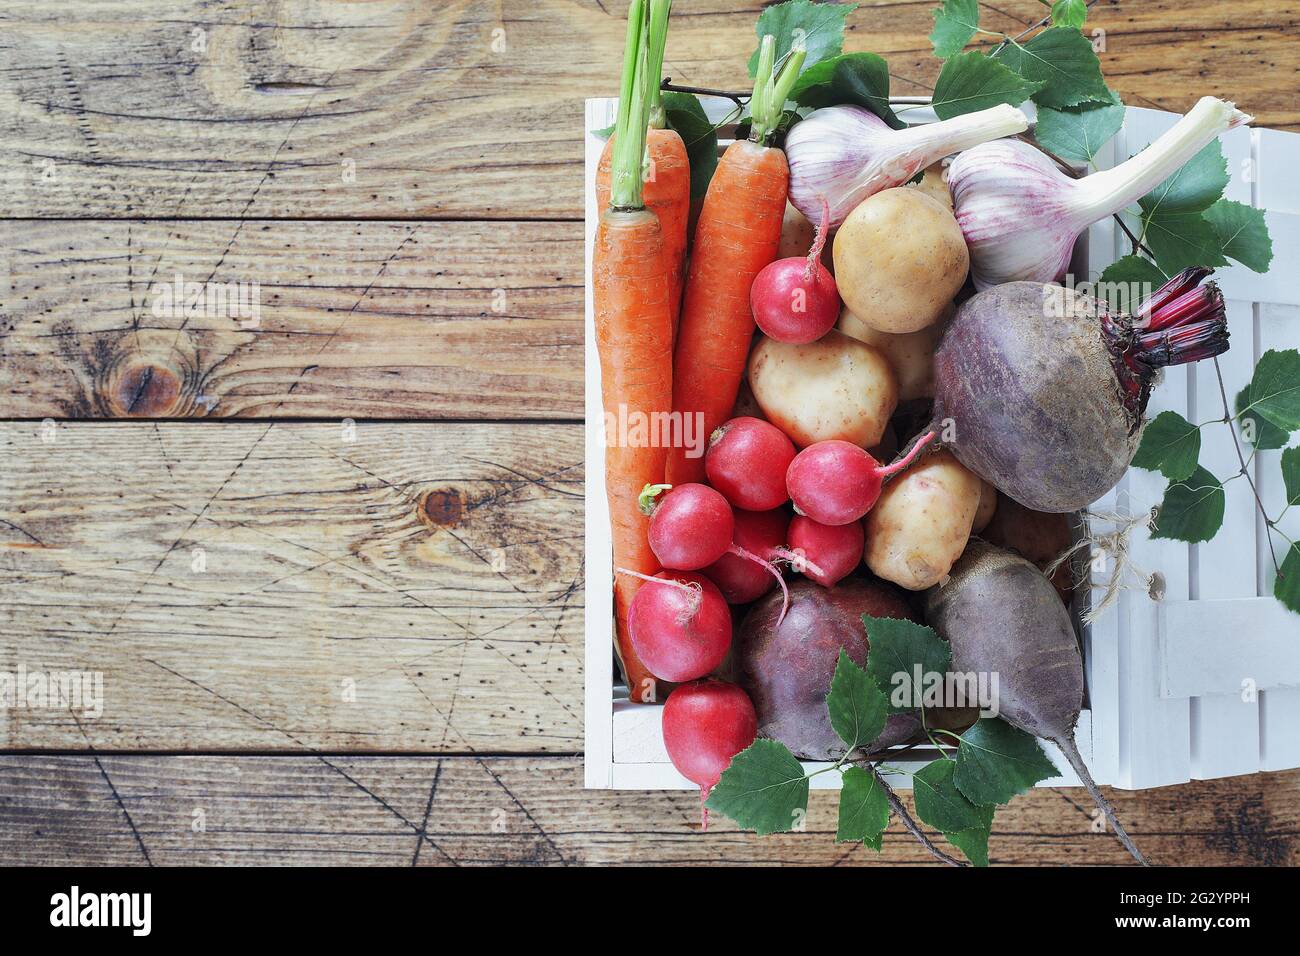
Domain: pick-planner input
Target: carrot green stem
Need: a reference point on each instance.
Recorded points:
(659, 10)
(772, 86)
(630, 129)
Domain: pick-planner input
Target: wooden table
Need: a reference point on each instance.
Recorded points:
(329, 562)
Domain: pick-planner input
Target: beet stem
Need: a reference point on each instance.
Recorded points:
(773, 569)
(1071, 752)
(907, 460)
(1181, 284)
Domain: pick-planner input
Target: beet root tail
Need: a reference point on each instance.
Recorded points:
(1071, 752)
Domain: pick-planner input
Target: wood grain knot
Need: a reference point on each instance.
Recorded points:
(442, 508)
(146, 390)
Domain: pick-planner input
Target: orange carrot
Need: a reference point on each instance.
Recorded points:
(667, 195)
(738, 233)
(631, 283)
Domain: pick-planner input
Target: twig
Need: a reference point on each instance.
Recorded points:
(1028, 30)
(900, 811)
(669, 86)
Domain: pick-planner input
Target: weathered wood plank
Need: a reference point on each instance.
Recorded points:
(297, 319)
(466, 810)
(296, 586)
(402, 108)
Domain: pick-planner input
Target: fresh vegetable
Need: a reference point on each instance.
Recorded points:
(1001, 616)
(690, 526)
(934, 183)
(680, 625)
(825, 553)
(787, 667)
(1021, 215)
(836, 387)
(922, 522)
(988, 507)
(631, 291)
(1037, 537)
(738, 233)
(845, 154)
(747, 460)
(1043, 389)
(835, 482)
(899, 260)
(667, 180)
(794, 299)
(705, 724)
(758, 533)
(911, 354)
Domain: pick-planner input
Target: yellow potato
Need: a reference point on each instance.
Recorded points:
(921, 523)
(836, 387)
(935, 183)
(910, 353)
(988, 505)
(899, 259)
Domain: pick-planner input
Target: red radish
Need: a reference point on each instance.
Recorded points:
(836, 482)
(679, 624)
(761, 533)
(826, 553)
(747, 460)
(705, 724)
(690, 526)
(796, 300)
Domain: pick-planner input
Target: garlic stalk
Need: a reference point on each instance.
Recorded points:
(1021, 215)
(847, 153)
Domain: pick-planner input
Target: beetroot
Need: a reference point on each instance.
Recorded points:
(760, 533)
(746, 462)
(826, 553)
(1040, 390)
(787, 667)
(679, 625)
(705, 724)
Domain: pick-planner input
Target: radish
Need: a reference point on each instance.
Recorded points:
(1040, 390)
(795, 300)
(826, 553)
(679, 624)
(705, 724)
(1002, 617)
(835, 482)
(690, 526)
(746, 462)
(761, 534)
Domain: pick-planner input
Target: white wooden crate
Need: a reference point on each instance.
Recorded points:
(1165, 678)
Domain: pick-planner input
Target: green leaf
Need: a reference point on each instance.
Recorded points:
(763, 789)
(857, 707)
(1242, 233)
(1063, 61)
(1287, 586)
(954, 24)
(939, 802)
(1075, 133)
(1170, 445)
(687, 117)
(1260, 432)
(974, 843)
(864, 809)
(899, 647)
(1194, 186)
(820, 25)
(1127, 282)
(605, 133)
(1069, 13)
(970, 81)
(1180, 240)
(995, 762)
(858, 79)
(1291, 475)
(1192, 510)
(1275, 388)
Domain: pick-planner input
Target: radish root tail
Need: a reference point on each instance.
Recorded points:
(695, 592)
(901, 463)
(773, 570)
(1076, 761)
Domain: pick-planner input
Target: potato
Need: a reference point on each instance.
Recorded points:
(910, 353)
(934, 183)
(1037, 536)
(899, 259)
(836, 387)
(988, 506)
(921, 524)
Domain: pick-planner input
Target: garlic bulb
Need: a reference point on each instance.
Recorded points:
(1021, 215)
(847, 153)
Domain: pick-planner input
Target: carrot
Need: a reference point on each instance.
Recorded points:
(738, 233)
(667, 195)
(631, 283)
